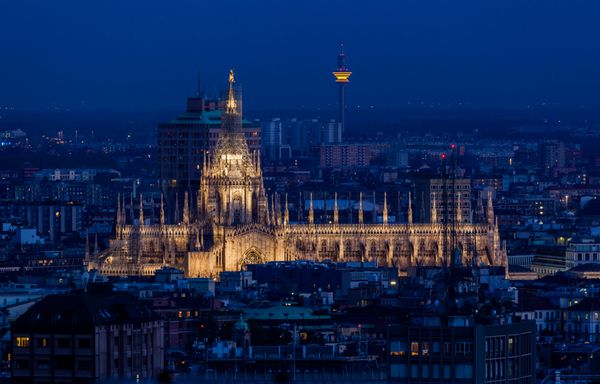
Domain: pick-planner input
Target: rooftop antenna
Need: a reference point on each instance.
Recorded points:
(342, 75)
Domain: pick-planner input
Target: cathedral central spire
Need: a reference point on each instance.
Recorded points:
(231, 103)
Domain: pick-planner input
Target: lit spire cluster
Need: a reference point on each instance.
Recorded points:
(231, 103)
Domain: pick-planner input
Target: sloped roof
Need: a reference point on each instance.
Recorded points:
(587, 304)
(531, 302)
(82, 312)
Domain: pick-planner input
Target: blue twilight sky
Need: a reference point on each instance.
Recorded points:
(134, 54)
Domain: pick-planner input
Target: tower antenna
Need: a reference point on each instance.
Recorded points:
(342, 77)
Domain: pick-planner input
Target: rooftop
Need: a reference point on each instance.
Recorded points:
(204, 117)
(82, 312)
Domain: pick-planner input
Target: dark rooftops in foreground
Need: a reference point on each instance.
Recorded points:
(83, 311)
(87, 336)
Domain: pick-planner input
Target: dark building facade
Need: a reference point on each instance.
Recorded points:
(86, 338)
(51, 218)
(184, 141)
(439, 199)
(460, 349)
(304, 276)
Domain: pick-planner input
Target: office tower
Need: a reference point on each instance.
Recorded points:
(185, 141)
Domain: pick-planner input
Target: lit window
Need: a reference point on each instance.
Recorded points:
(23, 342)
(180, 314)
(397, 348)
(414, 348)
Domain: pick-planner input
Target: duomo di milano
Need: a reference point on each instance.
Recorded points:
(236, 223)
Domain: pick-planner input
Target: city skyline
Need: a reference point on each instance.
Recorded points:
(407, 192)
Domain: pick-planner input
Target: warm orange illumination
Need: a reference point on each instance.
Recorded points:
(414, 348)
(23, 342)
(231, 103)
(342, 76)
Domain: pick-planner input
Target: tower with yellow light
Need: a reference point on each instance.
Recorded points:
(342, 77)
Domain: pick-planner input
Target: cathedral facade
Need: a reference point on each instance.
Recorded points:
(236, 223)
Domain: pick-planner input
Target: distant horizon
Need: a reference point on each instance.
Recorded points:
(142, 125)
(409, 111)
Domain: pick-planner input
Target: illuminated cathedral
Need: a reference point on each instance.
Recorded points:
(236, 223)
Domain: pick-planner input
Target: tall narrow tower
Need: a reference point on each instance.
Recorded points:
(342, 77)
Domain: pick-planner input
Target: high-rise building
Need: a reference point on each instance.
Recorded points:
(52, 219)
(345, 155)
(331, 132)
(184, 141)
(442, 200)
(552, 154)
(273, 143)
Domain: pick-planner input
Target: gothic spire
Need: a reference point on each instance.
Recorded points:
(410, 212)
(123, 211)
(273, 215)
(141, 216)
(286, 212)
(118, 218)
(186, 209)
(434, 209)
(162, 211)
(231, 102)
(311, 212)
(385, 208)
(336, 217)
(459, 217)
(258, 170)
(360, 209)
(490, 209)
